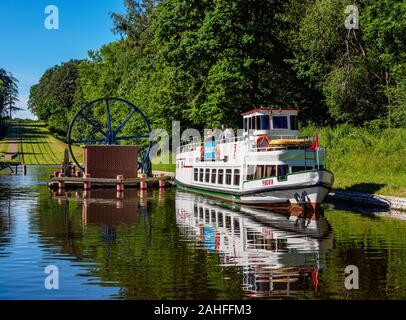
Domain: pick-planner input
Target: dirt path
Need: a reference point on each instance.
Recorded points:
(12, 151)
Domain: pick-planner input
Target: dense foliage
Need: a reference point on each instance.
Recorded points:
(202, 62)
(8, 93)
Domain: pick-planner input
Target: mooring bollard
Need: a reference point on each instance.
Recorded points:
(143, 183)
(56, 174)
(161, 181)
(61, 184)
(72, 170)
(78, 174)
(120, 184)
(87, 185)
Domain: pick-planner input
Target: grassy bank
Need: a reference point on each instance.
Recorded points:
(35, 144)
(366, 160)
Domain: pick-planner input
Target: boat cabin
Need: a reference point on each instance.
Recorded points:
(272, 122)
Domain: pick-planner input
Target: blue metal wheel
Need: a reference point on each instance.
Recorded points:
(109, 132)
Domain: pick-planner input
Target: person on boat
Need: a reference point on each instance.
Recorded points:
(226, 133)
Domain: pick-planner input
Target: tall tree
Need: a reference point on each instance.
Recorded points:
(8, 93)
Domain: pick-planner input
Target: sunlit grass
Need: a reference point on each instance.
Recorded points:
(38, 146)
(372, 161)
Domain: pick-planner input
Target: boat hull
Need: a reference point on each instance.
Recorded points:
(298, 196)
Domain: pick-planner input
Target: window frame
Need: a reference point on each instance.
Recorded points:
(207, 175)
(220, 181)
(229, 175)
(213, 176)
(201, 175)
(236, 181)
(280, 117)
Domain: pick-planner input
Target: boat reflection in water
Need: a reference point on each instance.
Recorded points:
(278, 253)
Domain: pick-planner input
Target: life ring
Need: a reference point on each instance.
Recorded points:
(217, 152)
(201, 153)
(260, 140)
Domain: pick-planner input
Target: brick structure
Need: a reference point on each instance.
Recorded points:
(110, 161)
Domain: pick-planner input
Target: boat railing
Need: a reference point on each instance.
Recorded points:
(192, 146)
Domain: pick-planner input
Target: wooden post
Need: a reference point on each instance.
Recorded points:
(78, 174)
(120, 184)
(87, 185)
(161, 181)
(72, 170)
(61, 184)
(143, 183)
(56, 174)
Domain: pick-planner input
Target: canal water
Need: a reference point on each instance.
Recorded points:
(175, 245)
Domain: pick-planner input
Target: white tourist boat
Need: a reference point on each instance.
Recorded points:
(268, 164)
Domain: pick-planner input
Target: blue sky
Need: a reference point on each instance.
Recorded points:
(30, 48)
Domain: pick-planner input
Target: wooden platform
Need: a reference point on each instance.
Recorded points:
(77, 183)
(9, 165)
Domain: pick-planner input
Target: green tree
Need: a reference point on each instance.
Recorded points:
(52, 98)
(8, 93)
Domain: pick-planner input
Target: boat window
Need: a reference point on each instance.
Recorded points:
(201, 213)
(283, 171)
(196, 174)
(220, 219)
(258, 122)
(228, 222)
(221, 175)
(293, 123)
(236, 226)
(206, 216)
(298, 168)
(263, 122)
(245, 124)
(280, 122)
(250, 172)
(207, 175)
(259, 172)
(228, 176)
(213, 175)
(213, 217)
(236, 177)
(201, 175)
(270, 171)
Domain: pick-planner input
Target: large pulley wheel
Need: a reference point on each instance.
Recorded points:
(111, 121)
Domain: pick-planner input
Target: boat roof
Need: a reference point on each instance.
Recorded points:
(259, 109)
